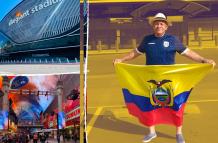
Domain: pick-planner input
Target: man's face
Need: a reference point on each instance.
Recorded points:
(159, 27)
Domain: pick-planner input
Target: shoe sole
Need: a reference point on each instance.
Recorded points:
(149, 139)
(182, 142)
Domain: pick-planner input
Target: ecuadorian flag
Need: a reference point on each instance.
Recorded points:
(157, 94)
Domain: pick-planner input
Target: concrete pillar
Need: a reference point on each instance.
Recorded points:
(117, 42)
(5, 89)
(99, 45)
(200, 42)
(5, 102)
(184, 40)
(59, 92)
(216, 40)
(134, 45)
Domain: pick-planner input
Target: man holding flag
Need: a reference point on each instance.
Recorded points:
(160, 49)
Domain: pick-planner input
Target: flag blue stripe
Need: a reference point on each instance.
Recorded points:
(144, 102)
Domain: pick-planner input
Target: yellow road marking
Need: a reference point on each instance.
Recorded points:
(119, 106)
(109, 106)
(203, 101)
(93, 119)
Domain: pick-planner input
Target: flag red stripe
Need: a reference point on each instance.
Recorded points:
(157, 116)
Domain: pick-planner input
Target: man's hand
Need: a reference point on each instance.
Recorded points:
(209, 61)
(117, 61)
(131, 55)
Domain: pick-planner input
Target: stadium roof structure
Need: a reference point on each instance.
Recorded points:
(145, 8)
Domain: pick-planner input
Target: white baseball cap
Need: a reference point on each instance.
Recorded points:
(159, 17)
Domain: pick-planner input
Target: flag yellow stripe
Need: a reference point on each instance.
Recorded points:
(183, 76)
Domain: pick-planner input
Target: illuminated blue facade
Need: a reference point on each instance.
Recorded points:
(42, 27)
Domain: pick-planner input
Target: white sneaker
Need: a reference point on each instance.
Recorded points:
(179, 138)
(149, 137)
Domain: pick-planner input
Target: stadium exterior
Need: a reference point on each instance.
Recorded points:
(41, 31)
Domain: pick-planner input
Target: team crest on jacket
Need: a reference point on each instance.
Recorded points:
(161, 92)
(166, 44)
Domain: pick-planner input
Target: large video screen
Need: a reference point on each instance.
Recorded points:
(33, 95)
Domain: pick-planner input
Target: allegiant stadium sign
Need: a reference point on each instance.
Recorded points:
(33, 10)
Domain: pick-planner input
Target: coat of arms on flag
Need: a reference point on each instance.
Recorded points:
(161, 93)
